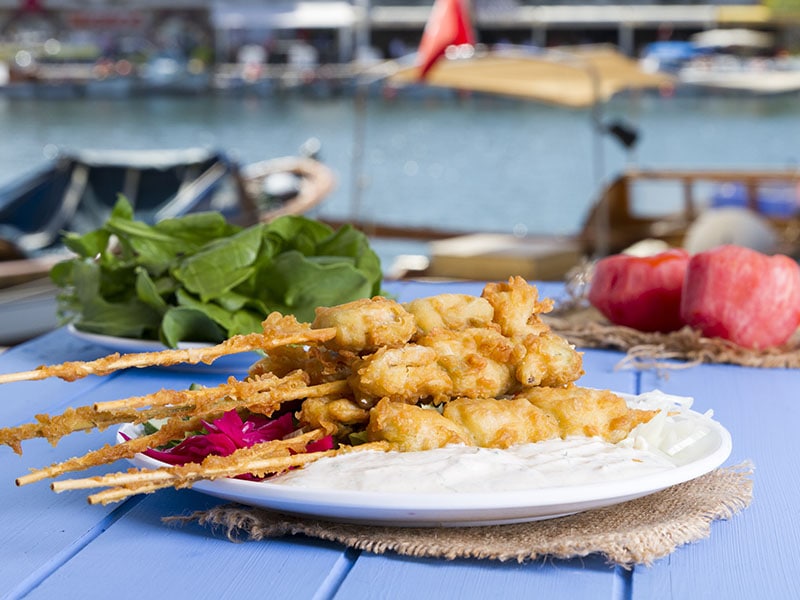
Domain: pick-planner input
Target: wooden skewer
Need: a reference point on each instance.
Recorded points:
(267, 455)
(120, 493)
(239, 389)
(233, 387)
(171, 476)
(72, 370)
(107, 454)
(154, 480)
(146, 481)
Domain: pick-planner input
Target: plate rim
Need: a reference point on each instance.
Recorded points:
(118, 342)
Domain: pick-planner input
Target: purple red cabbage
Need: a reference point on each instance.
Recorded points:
(229, 433)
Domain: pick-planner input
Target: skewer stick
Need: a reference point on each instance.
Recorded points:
(107, 454)
(240, 390)
(146, 481)
(167, 476)
(233, 387)
(72, 370)
(154, 480)
(217, 466)
(120, 493)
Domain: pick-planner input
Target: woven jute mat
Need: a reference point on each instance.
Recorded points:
(635, 532)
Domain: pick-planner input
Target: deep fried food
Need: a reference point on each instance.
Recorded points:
(517, 307)
(501, 423)
(335, 416)
(450, 311)
(478, 360)
(366, 325)
(547, 360)
(407, 374)
(410, 428)
(588, 412)
(320, 364)
(543, 358)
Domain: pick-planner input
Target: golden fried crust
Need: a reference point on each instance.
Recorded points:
(516, 307)
(450, 311)
(321, 365)
(332, 415)
(477, 360)
(406, 374)
(411, 428)
(494, 423)
(548, 360)
(588, 412)
(366, 325)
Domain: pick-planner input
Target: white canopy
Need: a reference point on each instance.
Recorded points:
(576, 76)
(283, 15)
(729, 38)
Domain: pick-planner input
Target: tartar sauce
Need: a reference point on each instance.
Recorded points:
(552, 463)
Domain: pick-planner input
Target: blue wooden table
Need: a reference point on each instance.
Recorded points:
(58, 546)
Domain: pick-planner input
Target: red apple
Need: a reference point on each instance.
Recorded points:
(742, 295)
(640, 292)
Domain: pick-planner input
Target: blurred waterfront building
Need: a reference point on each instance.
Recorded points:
(214, 32)
(628, 24)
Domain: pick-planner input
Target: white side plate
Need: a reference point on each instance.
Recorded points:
(500, 506)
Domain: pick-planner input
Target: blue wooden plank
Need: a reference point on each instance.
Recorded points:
(42, 526)
(396, 577)
(141, 556)
(754, 554)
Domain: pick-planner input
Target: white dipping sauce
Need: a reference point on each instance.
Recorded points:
(574, 461)
(673, 437)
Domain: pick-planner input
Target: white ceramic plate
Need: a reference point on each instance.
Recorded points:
(466, 508)
(233, 363)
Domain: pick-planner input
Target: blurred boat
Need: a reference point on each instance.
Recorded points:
(758, 76)
(669, 205)
(174, 74)
(726, 60)
(77, 190)
(691, 208)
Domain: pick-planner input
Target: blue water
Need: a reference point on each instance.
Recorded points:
(457, 163)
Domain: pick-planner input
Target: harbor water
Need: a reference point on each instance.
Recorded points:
(434, 160)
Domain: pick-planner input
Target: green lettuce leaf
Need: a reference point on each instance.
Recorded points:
(199, 278)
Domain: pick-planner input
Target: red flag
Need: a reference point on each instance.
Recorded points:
(31, 6)
(448, 25)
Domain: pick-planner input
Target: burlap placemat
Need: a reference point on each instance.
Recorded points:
(635, 532)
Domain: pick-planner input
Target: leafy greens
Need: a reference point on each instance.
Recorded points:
(199, 278)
